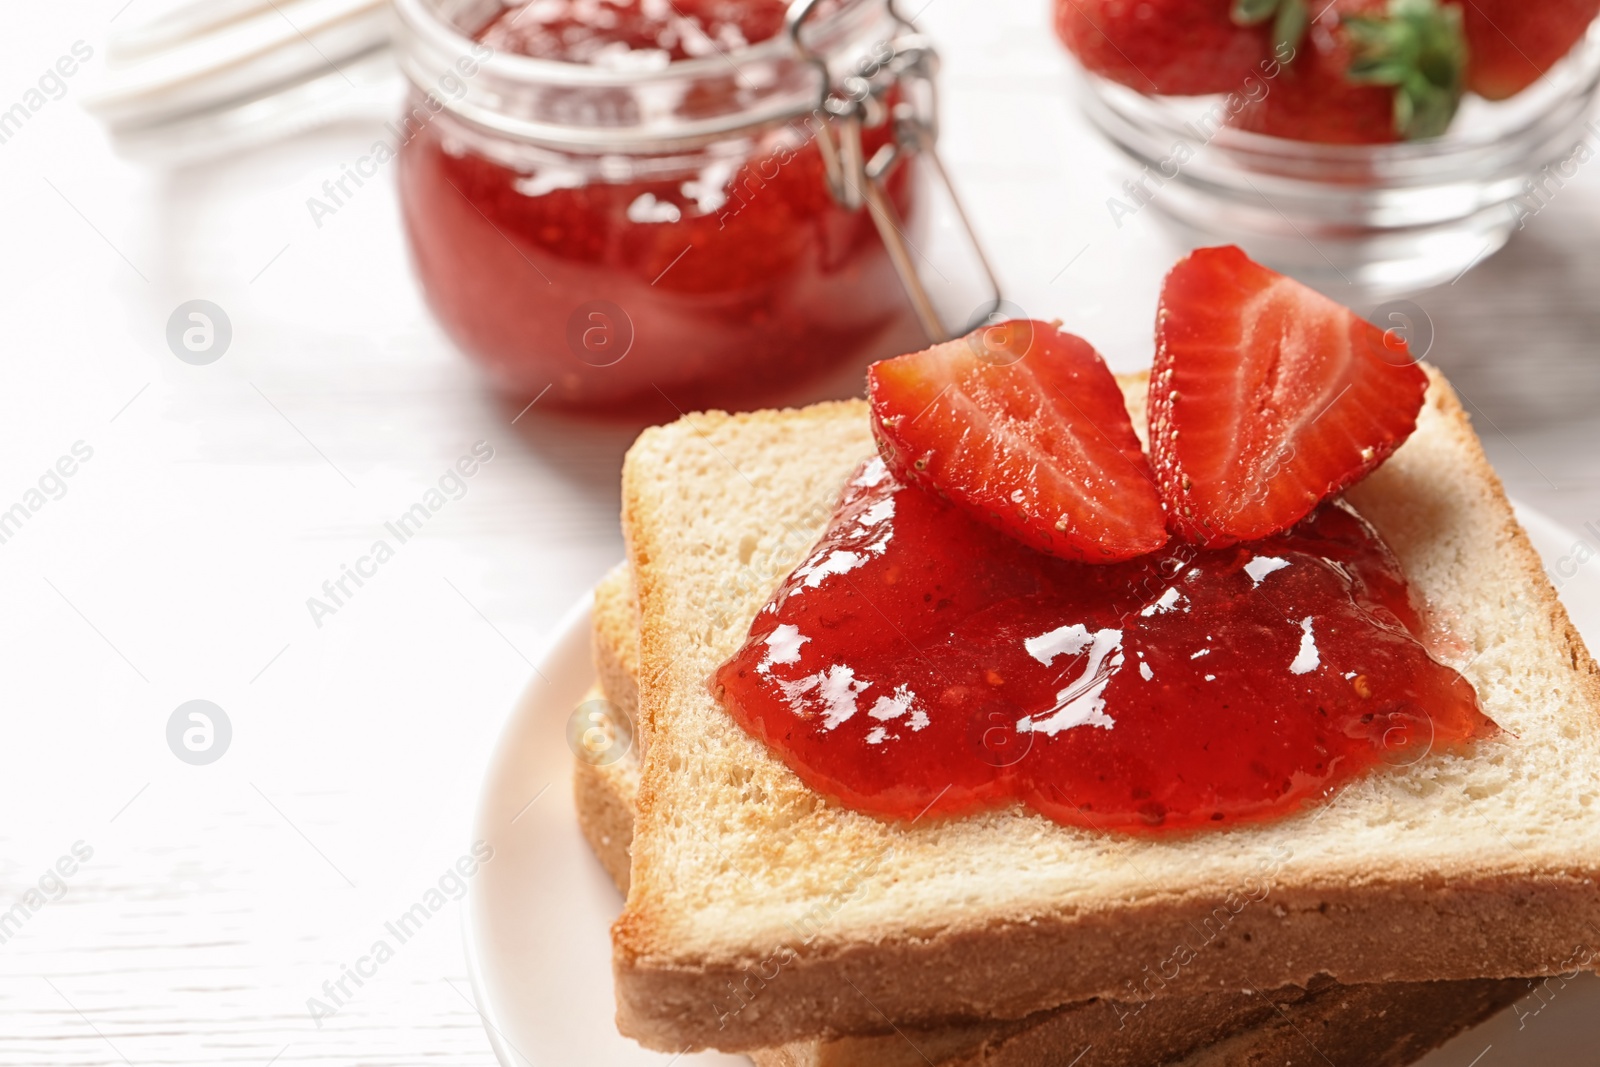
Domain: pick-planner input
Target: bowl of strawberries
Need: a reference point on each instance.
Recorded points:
(1387, 145)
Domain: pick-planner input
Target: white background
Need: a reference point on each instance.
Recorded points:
(219, 498)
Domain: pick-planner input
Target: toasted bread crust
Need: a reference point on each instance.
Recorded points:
(1372, 1025)
(1387, 882)
(1375, 1026)
(615, 644)
(604, 796)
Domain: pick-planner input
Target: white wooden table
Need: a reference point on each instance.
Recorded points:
(177, 560)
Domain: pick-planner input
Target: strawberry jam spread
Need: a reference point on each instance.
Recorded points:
(713, 274)
(921, 662)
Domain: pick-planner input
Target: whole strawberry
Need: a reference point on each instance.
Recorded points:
(1513, 42)
(1167, 47)
(1363, 72)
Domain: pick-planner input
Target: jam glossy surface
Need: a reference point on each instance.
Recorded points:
(919, 662)
(720, 278)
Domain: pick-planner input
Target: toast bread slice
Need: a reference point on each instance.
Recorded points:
(760, 912)
(1380, 1026)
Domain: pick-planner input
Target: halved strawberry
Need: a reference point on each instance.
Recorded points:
(1024, 426)
(1266, 397)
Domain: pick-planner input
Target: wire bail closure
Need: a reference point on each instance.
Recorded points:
(857, 100)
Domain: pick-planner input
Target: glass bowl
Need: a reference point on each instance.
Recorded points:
(1384, 218)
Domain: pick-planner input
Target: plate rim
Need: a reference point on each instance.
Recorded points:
(574, 624)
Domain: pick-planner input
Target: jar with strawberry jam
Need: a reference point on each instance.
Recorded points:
(614, 202)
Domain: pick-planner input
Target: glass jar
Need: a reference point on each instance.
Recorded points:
(1384, 218)
(711, 230)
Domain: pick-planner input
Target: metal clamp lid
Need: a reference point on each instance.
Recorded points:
(844, 106)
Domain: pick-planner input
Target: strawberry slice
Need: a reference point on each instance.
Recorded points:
(1024, 426)
(1266, 397)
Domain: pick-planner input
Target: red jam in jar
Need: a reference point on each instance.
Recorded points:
(920, 662)
(714, 271)
(631, 31)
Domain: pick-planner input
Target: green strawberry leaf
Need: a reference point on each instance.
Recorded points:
(1420, 48)
(1289, 28)
(1252, 12)
(1289, 20)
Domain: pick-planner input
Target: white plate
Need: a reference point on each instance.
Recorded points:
(538, 916)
